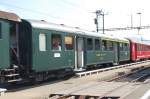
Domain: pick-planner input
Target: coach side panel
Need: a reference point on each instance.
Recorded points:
(52, 50)
(4, 44)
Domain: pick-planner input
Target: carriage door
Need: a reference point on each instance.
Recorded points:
(116, 53)
(14, 50)
(80, 53)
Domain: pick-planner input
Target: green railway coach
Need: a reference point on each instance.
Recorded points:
(54, 47)
(38, 49)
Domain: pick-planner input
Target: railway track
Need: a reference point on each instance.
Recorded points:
(136, 76)
(123, 80)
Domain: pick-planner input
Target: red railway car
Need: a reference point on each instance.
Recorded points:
(139, 50)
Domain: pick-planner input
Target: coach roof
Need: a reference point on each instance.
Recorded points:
(139, 41)
(9, 16)
(47, 25)
(107, 37)
(61, 27)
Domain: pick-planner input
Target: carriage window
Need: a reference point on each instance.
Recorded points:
(42, 42)
(110, 46)
(89, 44)
(121, 46)
(56, 42)
(104, 45)
(142, 48)
(97, 44)
(138, 47)
(146, 48)
(69, 42)
(0, 30)
(125, 46)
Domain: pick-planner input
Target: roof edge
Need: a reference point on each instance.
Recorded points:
(9, 16)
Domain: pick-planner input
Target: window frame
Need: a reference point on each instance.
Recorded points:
(108, 46)
(42, 48)
(126, 46)
(60, 43)
(72, 43)
(104, 48)
(99, 44)
(121, 46)
(87, 44)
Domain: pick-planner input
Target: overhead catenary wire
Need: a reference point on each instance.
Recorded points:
(33, 11)
(29, 10)
(81, 9)
(36, 12)
(76, 6)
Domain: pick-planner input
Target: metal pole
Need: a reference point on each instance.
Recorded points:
(139, 13)
(99, 13)
(96, 22)
(131, 21)
(103, 22)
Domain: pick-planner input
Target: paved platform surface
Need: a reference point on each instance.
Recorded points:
(118, 89)
(140, 92)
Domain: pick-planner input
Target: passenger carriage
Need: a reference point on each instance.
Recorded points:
(139, 50)
(79, 48)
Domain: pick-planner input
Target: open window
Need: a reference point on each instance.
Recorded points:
(56, 42)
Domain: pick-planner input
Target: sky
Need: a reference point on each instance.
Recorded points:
(80, 13)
